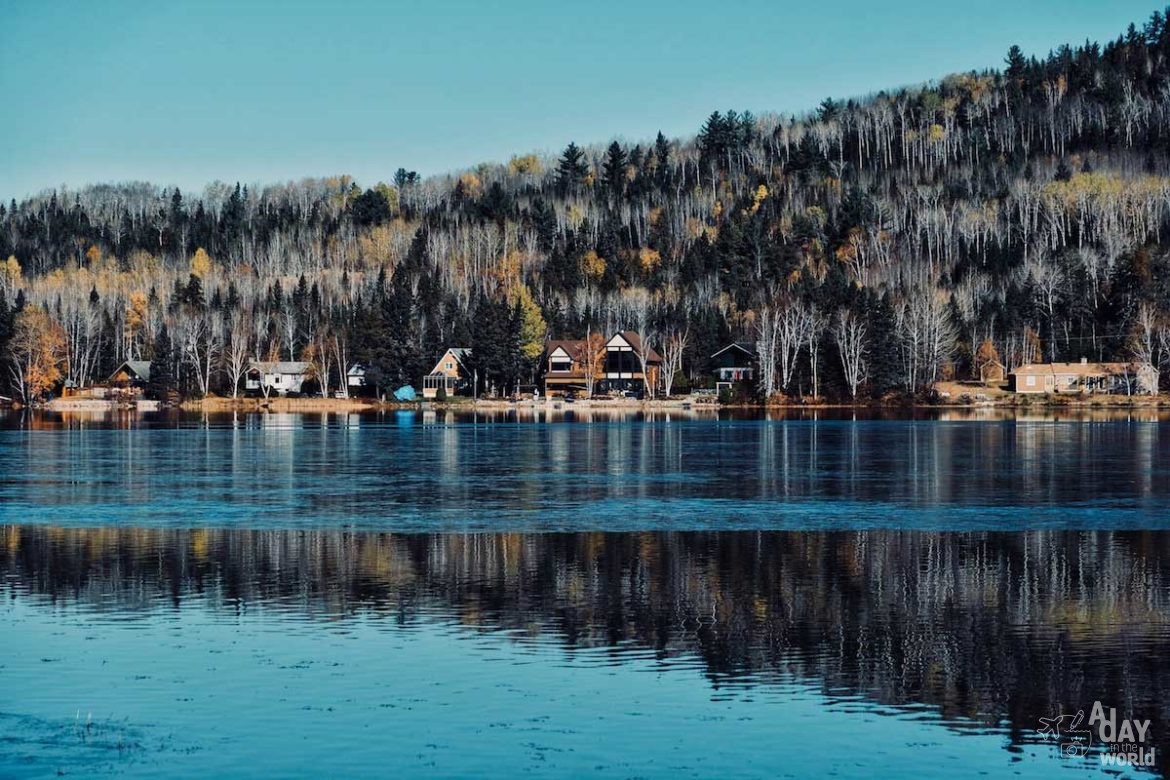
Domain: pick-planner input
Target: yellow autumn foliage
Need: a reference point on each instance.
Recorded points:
(533, 328)
(38, 344)
(758, 197)
(11, 271)
(525, 164)
(649, 259)
(200, 263)
(472, 184)
(593, 265)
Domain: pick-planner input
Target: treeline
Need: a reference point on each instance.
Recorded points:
(870, 247)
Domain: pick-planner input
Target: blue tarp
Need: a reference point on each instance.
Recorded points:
(404, 393)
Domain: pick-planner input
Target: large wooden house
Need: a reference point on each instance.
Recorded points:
(614, 365)
(624, 354)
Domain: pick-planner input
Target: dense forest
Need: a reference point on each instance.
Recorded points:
(869, 248)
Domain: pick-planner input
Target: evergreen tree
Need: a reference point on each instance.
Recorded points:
(572, 168)
(614, 171)
(162, 364)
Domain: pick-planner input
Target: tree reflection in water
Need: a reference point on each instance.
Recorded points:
(992, 629)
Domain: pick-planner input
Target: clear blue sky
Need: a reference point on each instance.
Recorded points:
(190, 92)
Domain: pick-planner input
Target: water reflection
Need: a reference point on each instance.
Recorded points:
(988, 631)
(439, 471)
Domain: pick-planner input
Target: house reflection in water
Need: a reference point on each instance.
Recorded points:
(986, 628)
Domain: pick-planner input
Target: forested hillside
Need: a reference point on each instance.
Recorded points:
(873, 245)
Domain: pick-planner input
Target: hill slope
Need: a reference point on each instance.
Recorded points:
(1019, 213)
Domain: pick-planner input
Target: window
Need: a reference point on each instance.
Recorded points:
(449, 365)
(560, 364)
(1031, 381)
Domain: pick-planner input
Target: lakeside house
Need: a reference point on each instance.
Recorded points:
(736, 362)
(450, 374)
(1085, 378)
(131, 378)
(623, 365)
(615, 365)
(276, 376)
(564, 369)
(355, 377)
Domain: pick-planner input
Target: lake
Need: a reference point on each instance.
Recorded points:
(623, 595)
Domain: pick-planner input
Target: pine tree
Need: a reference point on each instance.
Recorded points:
(572, 168)
(614, 170)
(162, 364)
(662, 172)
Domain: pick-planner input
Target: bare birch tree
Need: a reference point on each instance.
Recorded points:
(849, 332)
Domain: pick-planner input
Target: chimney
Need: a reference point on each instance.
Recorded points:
(1084, 361)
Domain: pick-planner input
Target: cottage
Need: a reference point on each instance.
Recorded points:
(451, 374)
(132, 378)
(1085, 378)
(736, 362)
(276, 376)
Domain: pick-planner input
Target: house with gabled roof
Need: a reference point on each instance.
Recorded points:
(451, 374)
(131, 378)
(623, 370)
(131, 373)
(736, 362)
(615, 368)
(564, 367)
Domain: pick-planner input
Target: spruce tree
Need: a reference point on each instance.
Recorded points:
(572, 168)
(614, 170)
(162, 364)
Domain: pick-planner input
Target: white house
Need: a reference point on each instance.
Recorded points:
(276, 376)
(356, 376)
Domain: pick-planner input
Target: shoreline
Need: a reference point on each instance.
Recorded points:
(338, 405)
(278, 405)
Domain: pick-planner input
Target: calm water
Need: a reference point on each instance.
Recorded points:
(411, 595)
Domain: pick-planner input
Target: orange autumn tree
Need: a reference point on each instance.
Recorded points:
(37, 353)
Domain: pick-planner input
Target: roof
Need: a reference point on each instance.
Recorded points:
(572, 346)
(139, 368)
(1079, 369)
(634, 340)
(747, 347)
(279, 366)
(459, 353)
